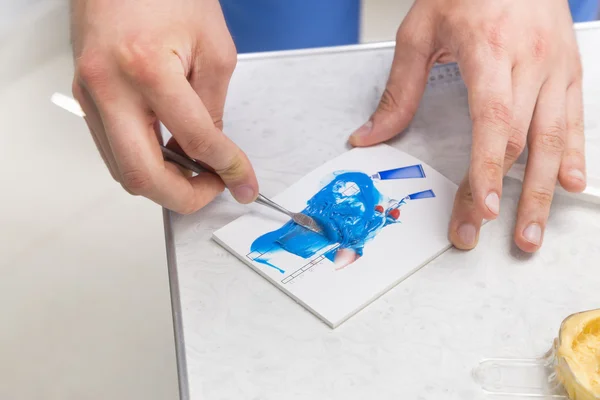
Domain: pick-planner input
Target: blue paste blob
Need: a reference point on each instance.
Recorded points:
(345, 209)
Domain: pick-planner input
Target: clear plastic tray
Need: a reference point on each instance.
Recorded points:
(549, 376)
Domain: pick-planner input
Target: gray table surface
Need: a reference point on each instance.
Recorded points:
(238, 337)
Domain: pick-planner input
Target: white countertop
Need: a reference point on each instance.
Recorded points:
(241, 338)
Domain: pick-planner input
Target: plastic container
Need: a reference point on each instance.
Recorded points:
(555, 375)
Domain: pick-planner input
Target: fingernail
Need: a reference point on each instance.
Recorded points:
(492, 201)
(244, 194)
(533, 234)
(467, 234)
(577, 174)
(363, 130)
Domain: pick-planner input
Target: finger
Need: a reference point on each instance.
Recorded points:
(466, 219)
(572, 173)
(142, 170)
(546, 146)
(214, 63)
(94, 124)
(211, 82)
(165, 87)
(526, 84)
(205, 187)
(406, 83)
(212, 92)
(489, 86)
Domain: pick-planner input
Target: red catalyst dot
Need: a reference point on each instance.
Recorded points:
(379, 209)
(395, 213)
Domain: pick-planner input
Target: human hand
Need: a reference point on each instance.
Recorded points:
(521, 66)
(137, 62)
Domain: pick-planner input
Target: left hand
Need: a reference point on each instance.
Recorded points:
(521, 66)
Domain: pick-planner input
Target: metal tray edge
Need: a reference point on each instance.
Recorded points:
(178, 336)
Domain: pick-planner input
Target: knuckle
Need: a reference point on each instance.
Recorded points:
(136, 181)
(488, 165)
(388, 101)
(137, 57)
(541, 198)
(188, 208)
(225, 61)
(216, 114)
(77, 90)
(496, 113)
(453, 18)
(577, 126)
(575, 154)
(467, 196)
(92, 69)
(577, 69)
(515, 145)
(389, 104)
(234, 169)
(551, 141)
(492, 163)
(198, 146)
(218, 120)
(418, 47)
(448, 23)
(496, 40)
(539, 46)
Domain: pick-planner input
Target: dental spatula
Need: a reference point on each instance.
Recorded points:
(299, 218)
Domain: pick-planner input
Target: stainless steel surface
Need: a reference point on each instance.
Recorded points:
(176, 310)
(299, 218)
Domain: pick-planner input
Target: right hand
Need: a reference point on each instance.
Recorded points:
(140, 62)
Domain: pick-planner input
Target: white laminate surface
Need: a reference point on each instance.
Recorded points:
(241, 338)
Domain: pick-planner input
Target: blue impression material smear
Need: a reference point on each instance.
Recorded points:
(345, 208)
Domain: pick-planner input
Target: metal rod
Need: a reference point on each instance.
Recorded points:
(183, 161)
(269, 203)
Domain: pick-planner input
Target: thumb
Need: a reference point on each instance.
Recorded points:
(408, 76)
